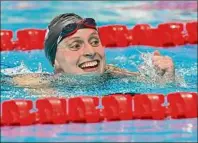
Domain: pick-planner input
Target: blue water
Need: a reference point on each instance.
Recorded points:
(183, 130)
(17, 15)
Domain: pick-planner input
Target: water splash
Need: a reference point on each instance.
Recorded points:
(149, 74)
(70, 86)
(21, 69)
(16, 70)
(40, 69)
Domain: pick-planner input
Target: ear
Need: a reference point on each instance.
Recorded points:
(57, 67)
(56, 64)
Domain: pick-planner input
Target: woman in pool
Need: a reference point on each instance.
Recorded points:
(72, 46)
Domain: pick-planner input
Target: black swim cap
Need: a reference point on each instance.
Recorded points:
(54, 29)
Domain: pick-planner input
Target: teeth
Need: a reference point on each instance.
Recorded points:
(89, 64)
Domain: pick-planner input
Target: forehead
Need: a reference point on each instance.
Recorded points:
(82, 33)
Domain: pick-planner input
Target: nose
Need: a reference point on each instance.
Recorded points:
(89, 51)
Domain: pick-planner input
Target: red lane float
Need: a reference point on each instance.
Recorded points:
(6, 40)
(106, 37)
(29, 39)
(2, 123)
(175, 32)
(192, 29)
(85, 109)
(149, 106)
(183, 105)
(138, 34)
(17, 112)
(160, 39)
(117, 107)
(51, 110)
(112, 36)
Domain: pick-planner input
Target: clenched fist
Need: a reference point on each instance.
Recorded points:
(164, 65)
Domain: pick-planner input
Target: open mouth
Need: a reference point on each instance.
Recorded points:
(90, 65)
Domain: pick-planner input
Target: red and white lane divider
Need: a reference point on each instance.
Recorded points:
(112, 36)
(53, 110)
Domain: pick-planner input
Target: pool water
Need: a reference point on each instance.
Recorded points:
(183, 130)
(135, 130)
(128, 58)
(15, 15)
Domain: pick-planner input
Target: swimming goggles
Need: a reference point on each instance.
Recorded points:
(73, 27)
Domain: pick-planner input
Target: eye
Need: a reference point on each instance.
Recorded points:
(94, 42)
(75, 45)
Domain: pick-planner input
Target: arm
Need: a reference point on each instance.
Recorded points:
(163, 67)
(116, 70)
(35, 84)
(31, 80)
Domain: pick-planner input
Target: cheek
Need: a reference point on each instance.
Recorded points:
(101, 51)
(71, 57)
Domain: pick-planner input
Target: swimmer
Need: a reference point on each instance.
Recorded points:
(73, 47)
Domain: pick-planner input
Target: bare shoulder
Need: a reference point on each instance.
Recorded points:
(31, 80)
(116, 70)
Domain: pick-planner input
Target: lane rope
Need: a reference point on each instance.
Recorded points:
(54, 110)
(165, 35)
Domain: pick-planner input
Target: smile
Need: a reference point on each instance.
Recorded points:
(90, 65)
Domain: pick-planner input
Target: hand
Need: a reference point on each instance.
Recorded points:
(164, 65)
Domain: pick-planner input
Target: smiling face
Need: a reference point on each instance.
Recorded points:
(81, 53)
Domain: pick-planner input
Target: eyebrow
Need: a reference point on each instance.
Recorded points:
(66, 41)
(94, 33)
(73, 38)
